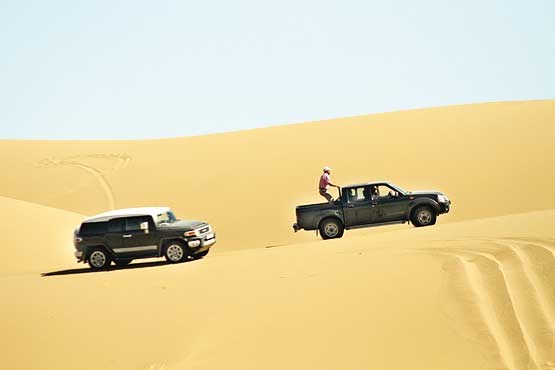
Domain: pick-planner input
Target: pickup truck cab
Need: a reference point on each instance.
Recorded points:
(371, 204)
(126, 234)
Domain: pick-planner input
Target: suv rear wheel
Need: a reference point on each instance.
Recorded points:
(423, 216)
(99, 259)
(175, 252)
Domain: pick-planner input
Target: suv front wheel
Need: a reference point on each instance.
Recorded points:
(99, 259)
(175, 252)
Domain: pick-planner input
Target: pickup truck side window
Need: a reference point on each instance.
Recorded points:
(134, 223)
(385, 191)
(358, 195)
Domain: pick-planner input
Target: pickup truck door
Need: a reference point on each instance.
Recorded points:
(137, 242)
(357, 210)
(391, 208)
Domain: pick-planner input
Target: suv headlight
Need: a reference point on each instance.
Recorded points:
(191, 233)
(441, 198)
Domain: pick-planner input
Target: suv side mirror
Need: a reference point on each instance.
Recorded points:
(144, 227)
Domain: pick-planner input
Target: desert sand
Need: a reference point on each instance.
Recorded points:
(475, 291)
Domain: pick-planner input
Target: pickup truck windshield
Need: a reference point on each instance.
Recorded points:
(166, 218)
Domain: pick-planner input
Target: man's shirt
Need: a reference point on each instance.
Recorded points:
(324, 181)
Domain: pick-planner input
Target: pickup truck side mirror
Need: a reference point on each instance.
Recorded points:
(144, 227)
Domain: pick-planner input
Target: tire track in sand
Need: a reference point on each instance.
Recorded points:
(511, 281)
(496, 308)
(121, 161)
(516, 292)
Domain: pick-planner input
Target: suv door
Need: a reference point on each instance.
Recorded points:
(357, 206)
(113, 235)
(137, 242)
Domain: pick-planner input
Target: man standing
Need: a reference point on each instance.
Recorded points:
(325, 180)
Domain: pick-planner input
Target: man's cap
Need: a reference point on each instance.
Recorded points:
(327, 169)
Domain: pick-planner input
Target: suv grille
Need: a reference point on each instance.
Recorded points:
(204, 229)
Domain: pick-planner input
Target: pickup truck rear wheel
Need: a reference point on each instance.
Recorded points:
(99, 259)
(423, 216)
(331, 228)
(175, 252)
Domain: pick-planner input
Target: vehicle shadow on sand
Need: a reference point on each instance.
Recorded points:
(87, 270)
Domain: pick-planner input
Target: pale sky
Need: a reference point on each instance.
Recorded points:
(150, 69)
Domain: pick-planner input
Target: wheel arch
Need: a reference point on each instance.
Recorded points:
(164, 242)
(326, 215)
(90, 248)
(424, 202)
(330, 217)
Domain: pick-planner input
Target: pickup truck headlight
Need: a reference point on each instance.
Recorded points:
(441, 198)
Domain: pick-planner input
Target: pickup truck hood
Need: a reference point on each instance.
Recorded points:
(182, 225)
(421, 192)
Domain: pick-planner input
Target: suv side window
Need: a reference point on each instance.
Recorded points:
(115, 225)
(93, 228)
(134, 223)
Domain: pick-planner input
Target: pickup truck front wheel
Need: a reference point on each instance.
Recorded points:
(423, 216)
(331, 228)
(175, 252)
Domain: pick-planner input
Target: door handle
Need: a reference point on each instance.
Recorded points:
(127, 235)
(350, 205)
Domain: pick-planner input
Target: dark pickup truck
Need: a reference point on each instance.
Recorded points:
(371, 204)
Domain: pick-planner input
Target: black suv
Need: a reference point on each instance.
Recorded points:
(126, 234)
(371, 204)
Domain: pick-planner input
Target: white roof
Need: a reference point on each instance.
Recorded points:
(128, 212)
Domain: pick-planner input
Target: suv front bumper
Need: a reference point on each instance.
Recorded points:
(201, 244)
(445, 207)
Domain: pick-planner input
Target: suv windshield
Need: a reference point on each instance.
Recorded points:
(166, 218)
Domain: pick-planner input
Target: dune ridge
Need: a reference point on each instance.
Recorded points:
(475, 291)
(490, 159)
(35, 237)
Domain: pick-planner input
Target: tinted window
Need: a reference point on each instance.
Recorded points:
(134, 223)
(93, 228)
(360, 194)
(115, 225)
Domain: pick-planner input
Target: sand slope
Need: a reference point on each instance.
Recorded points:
(491, 159)
(35, 238)
(475, 291)
(470, 295)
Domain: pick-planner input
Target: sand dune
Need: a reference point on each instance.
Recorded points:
(491, 159)
(468, 295)
(473, 292)
(34, 237)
